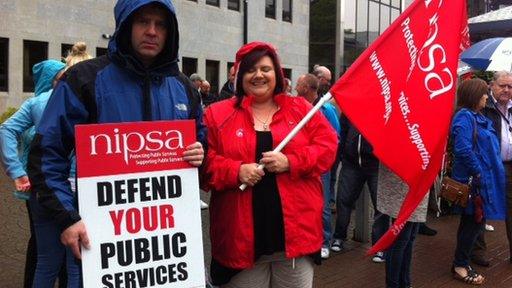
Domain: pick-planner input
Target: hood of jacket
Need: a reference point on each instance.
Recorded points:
(44, 72)
(119, 46)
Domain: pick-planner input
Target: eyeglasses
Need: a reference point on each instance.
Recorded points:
(503, 86)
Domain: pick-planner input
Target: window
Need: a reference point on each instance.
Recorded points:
(234, 5)
(287, 10)
(212, 75)
(101, 51)
(287, 73)
(4, 64)
(33, 53)
(65, 49)
(270, 9)
(213, 2)
(189, 66)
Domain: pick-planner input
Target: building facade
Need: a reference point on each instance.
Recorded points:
(211, 31)
(336, 42)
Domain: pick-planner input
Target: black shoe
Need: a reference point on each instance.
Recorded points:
(480, 261)
(425, 230)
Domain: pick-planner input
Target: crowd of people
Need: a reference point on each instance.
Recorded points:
(275, 231)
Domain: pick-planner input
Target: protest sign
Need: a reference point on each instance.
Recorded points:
(140, 204)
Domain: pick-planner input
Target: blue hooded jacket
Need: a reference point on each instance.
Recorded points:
(20, 126)
(117, 88)
(481, 157)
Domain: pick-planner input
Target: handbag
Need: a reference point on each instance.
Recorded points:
(454, 191)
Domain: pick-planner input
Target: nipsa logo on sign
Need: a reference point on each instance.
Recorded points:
(135, 142)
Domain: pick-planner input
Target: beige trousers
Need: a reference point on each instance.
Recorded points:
(275, 271)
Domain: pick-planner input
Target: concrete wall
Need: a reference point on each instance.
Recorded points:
(52, 21)
(206, 32)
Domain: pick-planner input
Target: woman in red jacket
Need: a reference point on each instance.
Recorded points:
(265, 235)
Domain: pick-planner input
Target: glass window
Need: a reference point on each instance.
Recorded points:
(234, 5)
(212, 75)
(65, 49)
(384, 18)
(188, 66)
(396, 3)
(4, 64)
(394, 14)
(350, 15)
(287, 73)
(373, 25)
(270, 9)
(213, 2)
(362, 23)
(33, 53)
(287, 10)
(322, 33)
(100, 51)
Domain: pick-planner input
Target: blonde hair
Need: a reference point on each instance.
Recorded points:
(77, 54)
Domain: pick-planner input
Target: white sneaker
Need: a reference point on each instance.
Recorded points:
(324, 252)
(489, 228)
(379, 257)
(203, 205)
(337, 245)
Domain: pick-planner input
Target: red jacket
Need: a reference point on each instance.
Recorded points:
(232, 142)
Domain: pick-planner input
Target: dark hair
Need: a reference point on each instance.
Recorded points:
(470, 92)
(248, 62)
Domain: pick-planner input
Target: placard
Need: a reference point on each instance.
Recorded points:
(140, 203)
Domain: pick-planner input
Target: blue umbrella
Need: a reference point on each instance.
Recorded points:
(494, 54)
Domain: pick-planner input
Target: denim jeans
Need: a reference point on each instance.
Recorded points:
(326, 213)
(51, 253)
(398, 257)
(466, 236)
(352, 180)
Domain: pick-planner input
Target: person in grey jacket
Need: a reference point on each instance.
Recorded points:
(391, 192)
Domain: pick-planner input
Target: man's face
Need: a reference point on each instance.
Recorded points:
(325, 79)
(205, 87)
(149, 33)
(232, 75)
(197, 83)
(300, 87)
(502, 89)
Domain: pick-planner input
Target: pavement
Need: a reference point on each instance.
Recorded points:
(350, 268)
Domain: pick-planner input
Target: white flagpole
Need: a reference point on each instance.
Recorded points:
(327, 96)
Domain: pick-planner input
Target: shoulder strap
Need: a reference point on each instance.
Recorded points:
(192, 95)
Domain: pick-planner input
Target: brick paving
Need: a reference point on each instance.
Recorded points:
(430, 268)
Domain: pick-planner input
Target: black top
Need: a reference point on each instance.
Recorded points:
(267, 214)
(266, 206)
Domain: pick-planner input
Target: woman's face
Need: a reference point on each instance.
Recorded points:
(260, 80)
(482, 102)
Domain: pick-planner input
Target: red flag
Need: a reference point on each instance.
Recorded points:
(400, 94)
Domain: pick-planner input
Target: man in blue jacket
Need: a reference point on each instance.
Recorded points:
(139, 80)
(307, 87)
